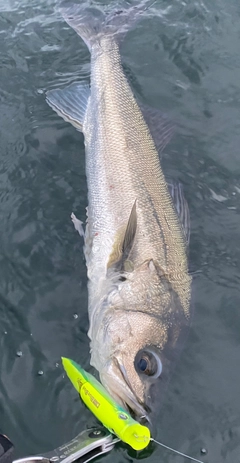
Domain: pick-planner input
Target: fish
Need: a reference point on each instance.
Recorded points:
(137, 227)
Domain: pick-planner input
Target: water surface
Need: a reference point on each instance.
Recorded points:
(186, 62)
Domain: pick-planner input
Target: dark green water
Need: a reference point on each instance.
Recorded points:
(186, 62)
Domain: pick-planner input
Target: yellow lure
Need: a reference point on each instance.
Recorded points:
(112, 416)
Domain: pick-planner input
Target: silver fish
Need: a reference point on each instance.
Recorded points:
(135, 244)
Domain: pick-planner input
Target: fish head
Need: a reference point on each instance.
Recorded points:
(136, 340)
(134, 363)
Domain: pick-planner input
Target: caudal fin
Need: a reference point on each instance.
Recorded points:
(92, 23)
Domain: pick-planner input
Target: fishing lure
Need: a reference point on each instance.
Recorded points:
(112, 416)
(117, 420)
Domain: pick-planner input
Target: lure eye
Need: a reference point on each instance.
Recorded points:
(148, 363)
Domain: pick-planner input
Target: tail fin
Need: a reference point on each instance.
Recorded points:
(92, 23)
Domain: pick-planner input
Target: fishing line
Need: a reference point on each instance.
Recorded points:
(176, 451)
(173, 450)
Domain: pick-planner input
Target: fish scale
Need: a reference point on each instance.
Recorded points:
(124, 151)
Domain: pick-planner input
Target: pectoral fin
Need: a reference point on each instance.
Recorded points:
(77, 224)
(130, 233)
(119, 258)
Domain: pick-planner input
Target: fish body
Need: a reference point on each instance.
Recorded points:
(135, 245)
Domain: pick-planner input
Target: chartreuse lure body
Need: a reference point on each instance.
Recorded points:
(112, 416)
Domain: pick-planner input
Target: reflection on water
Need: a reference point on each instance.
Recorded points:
(185, 61)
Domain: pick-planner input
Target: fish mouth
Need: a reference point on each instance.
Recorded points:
(129, 402)
(120, 389)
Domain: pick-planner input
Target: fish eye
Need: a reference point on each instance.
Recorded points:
(148, 363)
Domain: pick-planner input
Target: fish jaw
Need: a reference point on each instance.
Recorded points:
(117, 384)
